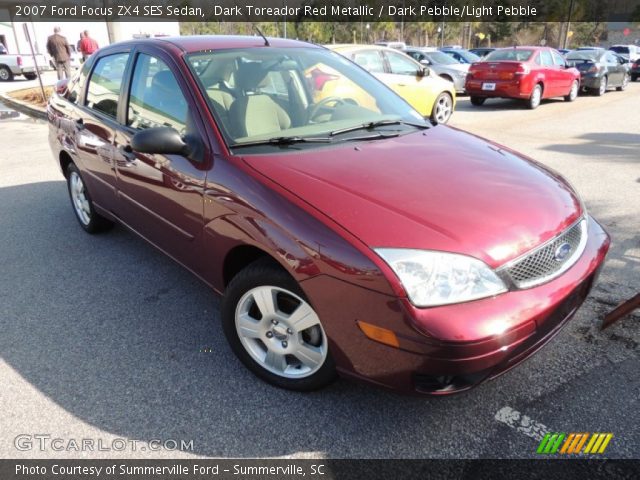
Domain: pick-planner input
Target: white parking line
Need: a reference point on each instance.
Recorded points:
(521, 423)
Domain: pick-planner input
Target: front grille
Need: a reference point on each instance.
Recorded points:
(549, 260)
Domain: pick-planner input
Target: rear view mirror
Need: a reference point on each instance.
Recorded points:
(160, 140)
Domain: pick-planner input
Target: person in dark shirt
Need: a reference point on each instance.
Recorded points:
(58, 48)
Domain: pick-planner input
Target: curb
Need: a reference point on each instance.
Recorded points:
(31, 111)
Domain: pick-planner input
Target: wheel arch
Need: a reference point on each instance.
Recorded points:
(65, 160)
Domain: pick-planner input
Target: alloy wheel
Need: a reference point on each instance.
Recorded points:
(4, 74)
(536, 96)
(573, 94)
(603, 86)
(281, 332)
(444, 108)
(79, 198)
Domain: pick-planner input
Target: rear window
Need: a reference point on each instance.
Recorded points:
(590, 55)
(509, 54)
(624, 50)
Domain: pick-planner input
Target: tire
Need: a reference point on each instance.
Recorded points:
(634, 78)
(442, 109)
(573, 93)
(30, 76)
(82, 204)
(625, 82)
(535, 98)
(477, 101)
(6, 75)
(603, 87)
(266, 339)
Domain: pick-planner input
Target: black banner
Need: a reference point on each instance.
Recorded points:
(543, 469)
(322, 10)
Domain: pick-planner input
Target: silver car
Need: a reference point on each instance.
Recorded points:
(442, 65)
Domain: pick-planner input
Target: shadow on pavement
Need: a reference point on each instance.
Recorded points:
(115, 333)
(603, 146)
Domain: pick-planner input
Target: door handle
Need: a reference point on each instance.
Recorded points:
(129, 156)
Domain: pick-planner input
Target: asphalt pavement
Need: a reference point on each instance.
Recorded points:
(104, 338)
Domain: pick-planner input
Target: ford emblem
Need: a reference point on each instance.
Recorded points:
(562, 252)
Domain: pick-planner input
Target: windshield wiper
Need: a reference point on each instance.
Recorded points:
(282, 141)
(379, 123)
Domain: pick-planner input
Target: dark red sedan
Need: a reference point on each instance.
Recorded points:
(346, 234)
(527, 73)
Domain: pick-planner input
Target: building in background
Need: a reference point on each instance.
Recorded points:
(13, 38)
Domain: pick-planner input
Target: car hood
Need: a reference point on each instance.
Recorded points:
(440, 189)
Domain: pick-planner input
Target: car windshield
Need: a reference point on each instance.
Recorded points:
(589, 55)
(441, 58)
(295, 95)
(509, 54)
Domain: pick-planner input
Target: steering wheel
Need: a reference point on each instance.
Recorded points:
(323, 103)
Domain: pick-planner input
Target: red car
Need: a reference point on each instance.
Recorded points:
(349, 239)
(527, 73)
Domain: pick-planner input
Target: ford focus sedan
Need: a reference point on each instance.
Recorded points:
(526, 73)
(346, 234)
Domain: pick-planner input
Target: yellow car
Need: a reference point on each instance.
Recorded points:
(432, 96)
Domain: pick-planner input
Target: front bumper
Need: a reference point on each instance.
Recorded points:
(451, 348)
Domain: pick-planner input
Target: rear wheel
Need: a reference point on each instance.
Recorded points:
(603, 87)
(573, 93)
(442, 108)
(625, 82)
(273, 329)
(535, 98)
(5, 74)
(30, 76)
(477, 101)
(82, 205)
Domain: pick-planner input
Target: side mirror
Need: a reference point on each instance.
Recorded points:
(160, 140)
(425, 62)
(423, 71)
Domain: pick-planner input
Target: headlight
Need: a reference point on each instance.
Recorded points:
(438, 278)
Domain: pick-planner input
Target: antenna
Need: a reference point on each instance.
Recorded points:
(266, 42)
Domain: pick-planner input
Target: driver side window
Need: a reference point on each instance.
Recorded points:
(156, 99)
(401, 64)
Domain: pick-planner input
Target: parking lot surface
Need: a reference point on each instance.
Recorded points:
(102, 337)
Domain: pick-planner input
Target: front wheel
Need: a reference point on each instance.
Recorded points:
(82, 205)
(273, 329)
(573, 93)
(30, 76)
(442, 108)
(625, 82)
(535, 98)
(477, 101)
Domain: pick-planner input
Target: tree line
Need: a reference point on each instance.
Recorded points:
(467, 34)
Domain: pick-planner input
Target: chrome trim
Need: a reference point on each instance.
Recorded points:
(503, 271)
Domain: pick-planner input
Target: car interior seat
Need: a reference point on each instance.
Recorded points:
(255, 113)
